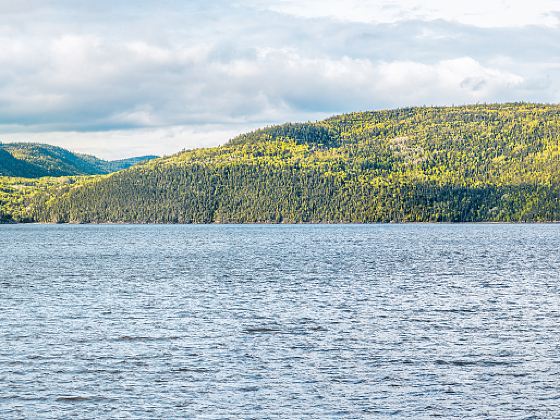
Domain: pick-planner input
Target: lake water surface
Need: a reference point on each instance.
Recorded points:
(408, 321)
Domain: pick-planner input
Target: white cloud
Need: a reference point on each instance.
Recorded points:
(484, 13)
(463, 79)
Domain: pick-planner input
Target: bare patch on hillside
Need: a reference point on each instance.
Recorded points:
(405, 148)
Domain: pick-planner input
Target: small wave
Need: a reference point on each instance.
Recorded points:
(191, 370)
(262, 330)
(145, 338)
(249, 389)
(318, 328)
(73, 398)
(462, 363)
(457, 362)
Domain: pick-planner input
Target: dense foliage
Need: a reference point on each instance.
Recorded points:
(32, 160)
(470, 163)
(16, 194)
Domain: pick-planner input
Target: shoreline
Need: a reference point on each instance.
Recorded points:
(552, 222)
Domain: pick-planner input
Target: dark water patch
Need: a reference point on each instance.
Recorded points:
(128, 338)
(74, 398)
(262, 330)
(191, 370)
(248, 389)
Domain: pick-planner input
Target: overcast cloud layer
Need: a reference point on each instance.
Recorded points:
(121, 78)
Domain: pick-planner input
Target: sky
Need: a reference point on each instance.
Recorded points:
(122, 78)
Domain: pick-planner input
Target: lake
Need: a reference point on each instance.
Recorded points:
(261, 321)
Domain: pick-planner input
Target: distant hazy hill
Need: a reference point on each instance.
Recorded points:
(30, 160)
(468, 163)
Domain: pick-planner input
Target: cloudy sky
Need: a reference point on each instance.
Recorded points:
(127, 77)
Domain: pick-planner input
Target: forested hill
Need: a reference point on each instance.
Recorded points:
(470, 163)
(30, 160)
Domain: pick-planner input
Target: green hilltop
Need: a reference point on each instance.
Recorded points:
(430, 164)
(32, 160)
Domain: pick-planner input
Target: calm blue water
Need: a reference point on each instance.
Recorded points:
(408, 321)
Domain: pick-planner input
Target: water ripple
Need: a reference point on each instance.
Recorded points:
(413, 321)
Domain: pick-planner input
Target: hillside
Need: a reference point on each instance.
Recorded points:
(32, 160)
(470, 163)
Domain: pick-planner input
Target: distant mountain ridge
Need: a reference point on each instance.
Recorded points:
(34, 160)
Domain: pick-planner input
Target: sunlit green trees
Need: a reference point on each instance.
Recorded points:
(470, 163)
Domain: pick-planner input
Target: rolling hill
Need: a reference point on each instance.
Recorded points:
(30, 160)
(430, 164)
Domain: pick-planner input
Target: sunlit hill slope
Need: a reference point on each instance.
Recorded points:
(469, 163)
